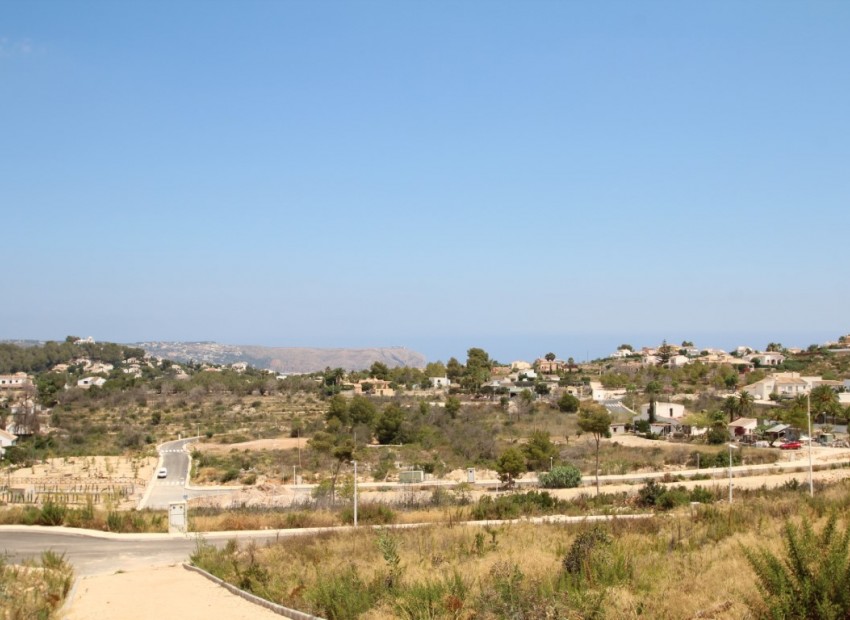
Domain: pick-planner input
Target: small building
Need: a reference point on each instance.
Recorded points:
(17, 381)
(742, 427)
(600, 393)
(87, 382)
(768, 358)
(7, 439)
(440, 383)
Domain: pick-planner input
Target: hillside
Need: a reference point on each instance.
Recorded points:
(284, 359)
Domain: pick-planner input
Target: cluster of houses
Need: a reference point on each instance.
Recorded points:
(676, 357)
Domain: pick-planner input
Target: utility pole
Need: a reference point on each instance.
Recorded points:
(809, 418)
(355, 493)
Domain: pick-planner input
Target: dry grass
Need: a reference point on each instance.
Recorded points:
(686, 565)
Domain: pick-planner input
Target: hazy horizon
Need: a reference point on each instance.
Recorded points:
(581, 347)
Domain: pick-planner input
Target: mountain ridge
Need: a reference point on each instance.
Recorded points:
(283, 359)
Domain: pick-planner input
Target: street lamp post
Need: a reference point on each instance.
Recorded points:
(809, 418)
(731, 447)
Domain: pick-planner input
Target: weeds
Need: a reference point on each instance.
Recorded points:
(810, 580)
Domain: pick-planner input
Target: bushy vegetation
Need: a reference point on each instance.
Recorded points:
(561, 477)
(612, 570)
(36, 589)
(810, 578)
(87, 516)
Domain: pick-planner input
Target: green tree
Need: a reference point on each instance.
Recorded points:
(665, 352)
(746, 404)
(478, 365)
(435, 369)
(379, 370)
(388, 428)
(795, 412)
(362, 411)
(454, 370)
(568, 403)
(338, 408)
(509, 465)
(824, 402)
(452, 406)
(652, 389)
(596, 420)
(549, 357)
(539, 450)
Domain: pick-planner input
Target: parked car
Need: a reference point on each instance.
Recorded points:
(791, 445)
(162, 472)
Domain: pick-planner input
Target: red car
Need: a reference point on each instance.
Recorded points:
(791, 445)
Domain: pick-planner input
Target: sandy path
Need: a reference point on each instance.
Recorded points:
(159, 592)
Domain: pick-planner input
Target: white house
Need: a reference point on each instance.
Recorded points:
(677, 361)
(87, 382)
(674, 411)
(520, 365)
(768, 358)
(440, 382)
(782, 384)
(18, 381)
(6, 439)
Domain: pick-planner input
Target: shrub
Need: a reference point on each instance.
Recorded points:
(702, 495)
(515, 505)
(594, 560)
(811, 579)
(340, 594)
(561, 477)
(52, 513)
(230, 475)
(369, 514)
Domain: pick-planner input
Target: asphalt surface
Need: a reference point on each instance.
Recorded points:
(174, 456)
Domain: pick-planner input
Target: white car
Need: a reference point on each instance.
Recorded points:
(162, 472)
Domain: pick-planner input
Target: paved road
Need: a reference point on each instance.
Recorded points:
(97, 553)
(174, 456)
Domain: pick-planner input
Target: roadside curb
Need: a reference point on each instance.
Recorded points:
(253, 598)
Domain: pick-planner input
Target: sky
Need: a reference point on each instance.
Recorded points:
(523, 177)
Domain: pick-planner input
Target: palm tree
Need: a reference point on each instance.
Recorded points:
(745, 403)
(730, 406)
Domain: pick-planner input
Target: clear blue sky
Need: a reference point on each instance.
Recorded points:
(520, 176)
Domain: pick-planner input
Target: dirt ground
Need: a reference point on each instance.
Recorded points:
(277, 443)
(74, 477)
(159, 592)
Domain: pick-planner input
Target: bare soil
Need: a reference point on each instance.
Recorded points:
(159, 592)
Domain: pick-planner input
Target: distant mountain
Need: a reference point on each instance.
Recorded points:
(283, 359)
